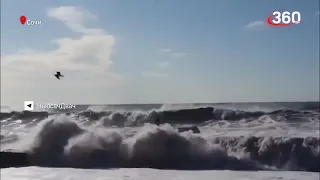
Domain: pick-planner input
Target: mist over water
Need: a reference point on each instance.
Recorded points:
(265, 136)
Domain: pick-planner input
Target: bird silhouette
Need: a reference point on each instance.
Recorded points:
(58, 75)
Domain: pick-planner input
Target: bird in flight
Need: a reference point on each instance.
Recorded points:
(58, 75)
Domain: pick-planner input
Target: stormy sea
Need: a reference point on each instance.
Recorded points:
(256, 141)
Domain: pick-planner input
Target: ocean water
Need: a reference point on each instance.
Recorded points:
(237, 141)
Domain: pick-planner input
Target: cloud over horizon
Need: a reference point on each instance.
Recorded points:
(256, 25)
(171, 53)
(88, 56)
(163, 64)
(154, 74)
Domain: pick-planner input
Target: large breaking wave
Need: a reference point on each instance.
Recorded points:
(62, 143)
(88, 139)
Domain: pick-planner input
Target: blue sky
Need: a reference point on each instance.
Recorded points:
(158, 51)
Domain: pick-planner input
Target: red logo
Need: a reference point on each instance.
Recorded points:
(284, 19)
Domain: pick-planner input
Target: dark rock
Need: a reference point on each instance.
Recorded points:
(14, 159)
(187, 115)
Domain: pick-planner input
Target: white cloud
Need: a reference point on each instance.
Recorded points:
(91, 51)
(165, 50)
(74, 18)
(178, 55)
(163, 64)
(86, 52)
(85, 60)
(256, 25)
(172, 53)
(154, 74)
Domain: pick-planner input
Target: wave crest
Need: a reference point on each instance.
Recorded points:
(62, 143)
(194, 116)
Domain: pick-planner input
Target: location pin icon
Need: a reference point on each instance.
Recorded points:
(23, 19)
